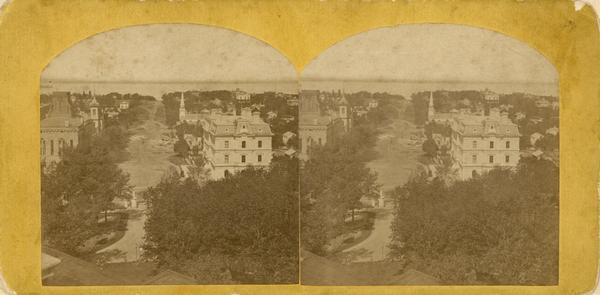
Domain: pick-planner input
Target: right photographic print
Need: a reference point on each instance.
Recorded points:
(429, 156)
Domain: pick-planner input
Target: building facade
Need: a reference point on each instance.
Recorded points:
(241, 96)
(232, 143)
(59, 129)
(188, 117)
(481, 143)
(316, 128)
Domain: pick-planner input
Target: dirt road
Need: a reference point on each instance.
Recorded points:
(146, 165)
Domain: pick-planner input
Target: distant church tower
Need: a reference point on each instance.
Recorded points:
(181, 108)
(95, 113)
(343, 111)
(430, 111)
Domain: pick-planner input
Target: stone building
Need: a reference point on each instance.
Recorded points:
(232, 143)
(317, 127)
(241, 96)
(59, 129)
(481, 143)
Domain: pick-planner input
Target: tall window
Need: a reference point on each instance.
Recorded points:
(507, 158)
(491, 159)
(259, 158)
(507, 144)
(51, 147)
(226, 159)
(474, 158)
(61, 146)
(243, 144)
(260, 143)
(227, 144)
(491, 144)
(43, 146)
(474, 144)
(71, 143)
(320, 142)
(243, 158)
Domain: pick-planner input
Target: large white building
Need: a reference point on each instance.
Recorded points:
(232, 143)
(241, 96)
(481, 143)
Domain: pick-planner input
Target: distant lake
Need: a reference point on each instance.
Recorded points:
(157, 89)
(407, 88)
(404, 88)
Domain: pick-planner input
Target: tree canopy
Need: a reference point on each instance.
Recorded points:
(242, 228)
(499, 228)
(78, 188)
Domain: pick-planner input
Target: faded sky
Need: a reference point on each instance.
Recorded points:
(170, 53)
(431, 52)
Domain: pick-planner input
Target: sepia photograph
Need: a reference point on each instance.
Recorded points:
(168, 157)
(429, 155)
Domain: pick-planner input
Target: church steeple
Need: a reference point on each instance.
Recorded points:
(95, 113)
(182, 108)
(431, 110)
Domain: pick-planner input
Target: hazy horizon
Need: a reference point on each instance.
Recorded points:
(404, 88)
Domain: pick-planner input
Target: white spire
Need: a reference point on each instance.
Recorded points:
(182, 102)
(431, 110)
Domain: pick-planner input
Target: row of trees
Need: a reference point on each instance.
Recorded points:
(82, 186)
(243, 228)
(336, 177)
(498, 228)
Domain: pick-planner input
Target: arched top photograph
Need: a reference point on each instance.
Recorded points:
(434, 137)
(151, 130)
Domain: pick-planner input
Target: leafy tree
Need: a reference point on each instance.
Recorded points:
(75, 191)
(333, 182)
(499, 228)
(182, 148)
(430, 147)
(247, 222)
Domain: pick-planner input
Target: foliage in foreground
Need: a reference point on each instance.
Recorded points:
(242, 228)
(500, 228)
(336, 178)
(80, 187)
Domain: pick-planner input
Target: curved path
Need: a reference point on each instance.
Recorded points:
(398, 159)
(147, 163)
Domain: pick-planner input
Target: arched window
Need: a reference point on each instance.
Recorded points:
(51, 147)
(226, 173)
(43, 147)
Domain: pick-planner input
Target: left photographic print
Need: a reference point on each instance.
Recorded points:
(168, 156)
